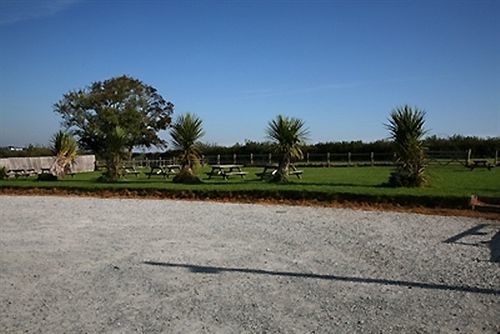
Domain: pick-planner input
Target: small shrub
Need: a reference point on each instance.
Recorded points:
(186, 176)
(46, 177)
(402, 178)
(3, 173)
(106, 178)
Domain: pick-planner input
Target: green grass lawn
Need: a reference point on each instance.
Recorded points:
(448, 186)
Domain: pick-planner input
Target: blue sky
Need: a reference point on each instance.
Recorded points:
(341, 66)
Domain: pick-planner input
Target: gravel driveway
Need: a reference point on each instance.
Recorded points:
(86, 265)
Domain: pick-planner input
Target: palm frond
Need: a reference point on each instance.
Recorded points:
(406, 128)
(186, 132)
(65, 149)
(288, 134)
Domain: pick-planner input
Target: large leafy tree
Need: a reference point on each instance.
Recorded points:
(186, 132)
(65, 149)
(406, 127)
(288, 134)
(121, 107)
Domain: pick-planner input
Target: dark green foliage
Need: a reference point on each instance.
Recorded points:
(121, 110)
(3, 173)
(402, 178)
(186, 176)
(47, 177)
(481, 147)
(122, 102)
(406, 126)
(30, 151)
(115, 154)
(185, 133)
(288, 135)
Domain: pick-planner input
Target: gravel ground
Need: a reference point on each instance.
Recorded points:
(86, 265)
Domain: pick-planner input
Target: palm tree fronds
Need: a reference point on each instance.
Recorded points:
(65, 149)
(406, 128)
(288, 134)
(186, 132)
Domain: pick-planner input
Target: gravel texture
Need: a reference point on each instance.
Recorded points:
(86, 265)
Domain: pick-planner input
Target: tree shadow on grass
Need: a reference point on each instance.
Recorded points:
(408, 284)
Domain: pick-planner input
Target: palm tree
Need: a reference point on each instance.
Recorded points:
(406, 127)
(186, 132)
(64, 147)
(288, 134)
(116, 152)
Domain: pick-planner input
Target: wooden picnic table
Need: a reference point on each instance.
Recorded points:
(271, 169)
(480, 163)
(225, 171)
(21, 172)
(166, 170)
(45, 170)
(127, 170)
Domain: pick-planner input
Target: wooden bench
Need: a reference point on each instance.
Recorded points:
(21, 172)
(226, 171)
(242, 174)
(480, 163)
(271, 170)
(166, 171)
(297, 173)
(131, 170)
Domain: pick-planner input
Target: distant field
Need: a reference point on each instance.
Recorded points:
(448, 186)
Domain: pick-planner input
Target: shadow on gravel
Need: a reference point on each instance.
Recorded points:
(494, 243)
(476, 230)
(218, 270)
(495, 248)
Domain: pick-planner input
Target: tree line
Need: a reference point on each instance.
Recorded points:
(481, 147)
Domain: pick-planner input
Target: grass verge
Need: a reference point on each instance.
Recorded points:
(450, 187)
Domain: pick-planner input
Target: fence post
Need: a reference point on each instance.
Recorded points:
(496, 157)
(270, 158)
(349, 158)
(203, 159)
(251, 158)
(307, 158)
(372, 158)
(234, 159)
(328, 159)
(469, 154)
(218, 159)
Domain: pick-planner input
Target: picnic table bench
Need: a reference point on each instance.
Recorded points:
(480, 163)
(128, 170)
(225, 171)
(166, 170)
(21, 172)
(271, 169)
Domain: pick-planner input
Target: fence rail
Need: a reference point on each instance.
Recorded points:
(321, 159)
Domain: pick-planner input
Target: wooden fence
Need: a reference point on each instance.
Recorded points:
(321, 159)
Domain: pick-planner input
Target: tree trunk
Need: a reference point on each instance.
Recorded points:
(113, 165)
(283, 167)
